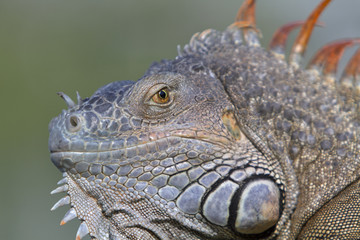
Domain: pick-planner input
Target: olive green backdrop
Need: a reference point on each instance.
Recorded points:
(48, 46)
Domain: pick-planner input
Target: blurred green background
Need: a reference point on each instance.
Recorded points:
(48, 46)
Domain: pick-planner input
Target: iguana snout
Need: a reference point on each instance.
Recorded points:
(84, 131)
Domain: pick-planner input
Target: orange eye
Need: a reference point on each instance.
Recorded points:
(161, 96)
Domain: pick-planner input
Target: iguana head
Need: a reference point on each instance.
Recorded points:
(181, 153)
(165, 153)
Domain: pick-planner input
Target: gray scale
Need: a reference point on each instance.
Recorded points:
(85, 174)
(151, 190)
(135, 162)
(179, 180)
(104, 155)
(192, 154)
(200, 148)
(206, 157)
(167, 162)
(217, 204)
(155, 163)
(195, 161)
(227, 156)
(162, 144)
(230, 162)
(77, 157)
(136, 172)
(242, 163)
(105, 146)
(91, 178)
(124, 170)
(160, 181)
(118, 154)
(109, 169)
(144, 163)
(95, 169)
(148, 168)
(82, 167)
(209, 179)
(218, 154)
(157, 198)
(169, 192)
(106, 179)
(90, 157)
(145, 177)
(218, 161)
(208, 165)
(142, 150)
(170, 170)
(130, 182)
(258, 208)
(170, 150)
(152, 147)
(149, 157)
(180, 158)
(250, 171)
(100, 176)
(223, 170)
(190, 199)
(172, 154)
(183, 166)
(238, 175)
(162, 155)
(157, 170)
(195, 173)
(73, 171)
(92, 146)
(259, 171)
(114, 177)
(139, 186)
(171, 205)
(122, 180)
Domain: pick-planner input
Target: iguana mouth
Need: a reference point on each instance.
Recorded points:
(79, 162)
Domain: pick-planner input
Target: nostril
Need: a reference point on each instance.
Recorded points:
(74, 123)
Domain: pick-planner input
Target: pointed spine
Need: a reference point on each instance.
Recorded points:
(327, 58)
(82, 231)
(70, 215)
(79, 100)
(69, 102)
(61, 202)
(179, 51)
(279, 39)
(246, 19)
(60, 189)
(351, 75)
(62, 181)
(303, 37)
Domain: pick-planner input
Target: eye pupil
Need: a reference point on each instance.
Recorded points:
(162, 94)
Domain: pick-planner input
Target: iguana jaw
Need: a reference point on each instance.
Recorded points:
(86, 196)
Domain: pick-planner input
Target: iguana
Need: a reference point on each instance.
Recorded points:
(227, 141)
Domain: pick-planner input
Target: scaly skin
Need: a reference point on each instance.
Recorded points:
(227, 141)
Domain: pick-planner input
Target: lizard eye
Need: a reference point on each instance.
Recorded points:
(161, 96)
